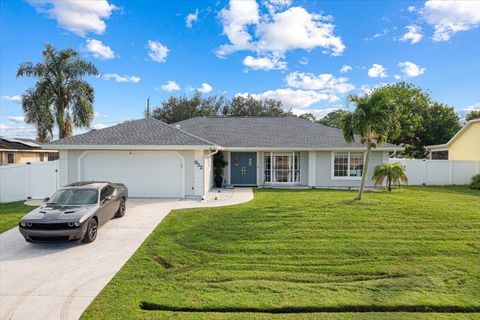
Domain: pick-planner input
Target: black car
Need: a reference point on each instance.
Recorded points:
(75, 212)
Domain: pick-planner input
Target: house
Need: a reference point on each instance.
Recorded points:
(155, 159)
(19, 150)
(465, 145)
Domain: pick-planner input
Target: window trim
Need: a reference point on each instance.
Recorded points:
(13, 156)
(348, 177)
(283, 153)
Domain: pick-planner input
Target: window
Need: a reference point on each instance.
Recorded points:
(348, 164)
(282, 167)
(42, 157)
(106, 192)
(10, 158)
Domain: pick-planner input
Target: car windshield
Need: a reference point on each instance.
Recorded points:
(74, 197)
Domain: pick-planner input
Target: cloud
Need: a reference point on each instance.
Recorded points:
(264, 63)
(450, 17)
(303, 61)
(325, 83)
(413, 34)
(291, 98)
(411, 9)
(275, 33)
(99, 126)
(191, 18)
(275, 5)
(99, 50)
(410, 69)
(170, 86)
(20, 130)
(16, 119)
(119, 78)
(79, 17)
(205, 88)
(15, 98)
(378, 35)
(157, 51)
(345, 69)
(318, 113)
(377, 71)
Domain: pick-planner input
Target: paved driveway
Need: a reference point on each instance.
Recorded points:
(59, 281)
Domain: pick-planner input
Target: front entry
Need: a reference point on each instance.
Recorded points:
(243, 168)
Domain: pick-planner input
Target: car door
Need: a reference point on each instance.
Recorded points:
(107, 204)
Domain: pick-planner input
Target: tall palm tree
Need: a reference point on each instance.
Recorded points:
(393, 172)
(374, 121)
(60, 95)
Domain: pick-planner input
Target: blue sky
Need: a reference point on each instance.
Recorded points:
(289, 50)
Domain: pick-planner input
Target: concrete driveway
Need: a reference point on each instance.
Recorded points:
(59, 281)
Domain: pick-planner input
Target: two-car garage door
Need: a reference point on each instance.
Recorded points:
(145, 173)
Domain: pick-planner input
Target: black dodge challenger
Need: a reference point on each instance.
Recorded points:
(75, 212)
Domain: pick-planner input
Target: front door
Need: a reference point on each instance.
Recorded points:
(243, 168)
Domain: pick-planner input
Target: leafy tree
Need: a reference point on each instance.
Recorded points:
(248, 106)
(393, 172)
(333, 119)
(422, 121)
(178, 109)
(308, 116)
(375, 121)
(60, 95)
(474, 114)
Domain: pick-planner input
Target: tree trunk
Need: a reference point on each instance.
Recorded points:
(60, 117)
(365, 172)
(389, 184)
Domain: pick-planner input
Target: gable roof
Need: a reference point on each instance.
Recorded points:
(441, 147)
(17, 144)
(269, 132)
(132, 134)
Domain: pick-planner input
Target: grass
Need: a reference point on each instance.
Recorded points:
(11, 213)
(308, 254)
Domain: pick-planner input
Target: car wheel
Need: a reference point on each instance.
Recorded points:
(121, 209)
(91, 233)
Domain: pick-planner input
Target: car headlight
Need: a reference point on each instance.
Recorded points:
(29, 224)
(23, 223)
(74, 224)
(77, 224)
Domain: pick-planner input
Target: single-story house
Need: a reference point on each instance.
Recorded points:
(465, 145)
(155, 159)
(19, 150)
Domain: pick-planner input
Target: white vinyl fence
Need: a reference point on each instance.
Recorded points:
(439, 172)
(36, 180)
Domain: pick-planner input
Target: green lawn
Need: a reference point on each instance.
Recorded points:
(315, 253)
(11, 212)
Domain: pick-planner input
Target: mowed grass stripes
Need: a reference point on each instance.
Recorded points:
(409, 254)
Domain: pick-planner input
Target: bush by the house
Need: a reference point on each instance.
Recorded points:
(475, 182)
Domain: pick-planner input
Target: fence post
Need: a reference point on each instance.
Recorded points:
(450, 172)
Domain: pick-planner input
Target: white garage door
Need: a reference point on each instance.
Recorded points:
(146, 174)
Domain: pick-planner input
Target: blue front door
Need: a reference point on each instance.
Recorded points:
(243, 168)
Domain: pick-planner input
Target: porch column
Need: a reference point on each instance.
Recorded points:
(312, 168)
(198, 173)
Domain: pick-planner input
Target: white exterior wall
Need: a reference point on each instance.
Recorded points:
(312, 168)
(198, 173)
(439, 172)
(69, 160)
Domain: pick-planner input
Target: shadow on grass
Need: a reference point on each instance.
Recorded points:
(147, 306)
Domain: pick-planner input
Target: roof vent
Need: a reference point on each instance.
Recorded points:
(178, 126)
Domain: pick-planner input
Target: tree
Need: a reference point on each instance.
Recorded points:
(60, 95)
(307, 116)
(474, 114)
(393, 172)
(333, 119)
(422, 121)
(241, 106)
(375, 121)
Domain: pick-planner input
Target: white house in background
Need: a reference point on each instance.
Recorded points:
(155, 159)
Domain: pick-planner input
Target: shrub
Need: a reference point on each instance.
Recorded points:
(475, 182)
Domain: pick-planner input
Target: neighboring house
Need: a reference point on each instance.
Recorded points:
(17, 151)
(155, 159)
(465, 145)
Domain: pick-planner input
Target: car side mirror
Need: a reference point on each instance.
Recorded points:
(107, 199)
(46, 199)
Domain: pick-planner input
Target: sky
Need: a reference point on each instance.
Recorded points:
(309, 54)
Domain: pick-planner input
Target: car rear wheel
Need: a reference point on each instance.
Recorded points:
(121, 209)
(91, 233)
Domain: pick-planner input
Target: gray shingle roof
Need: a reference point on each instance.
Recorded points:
(138, 132)
(267, 132)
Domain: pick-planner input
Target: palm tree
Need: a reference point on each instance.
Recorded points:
(373, 122)
(60, 95)
(393, 172)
